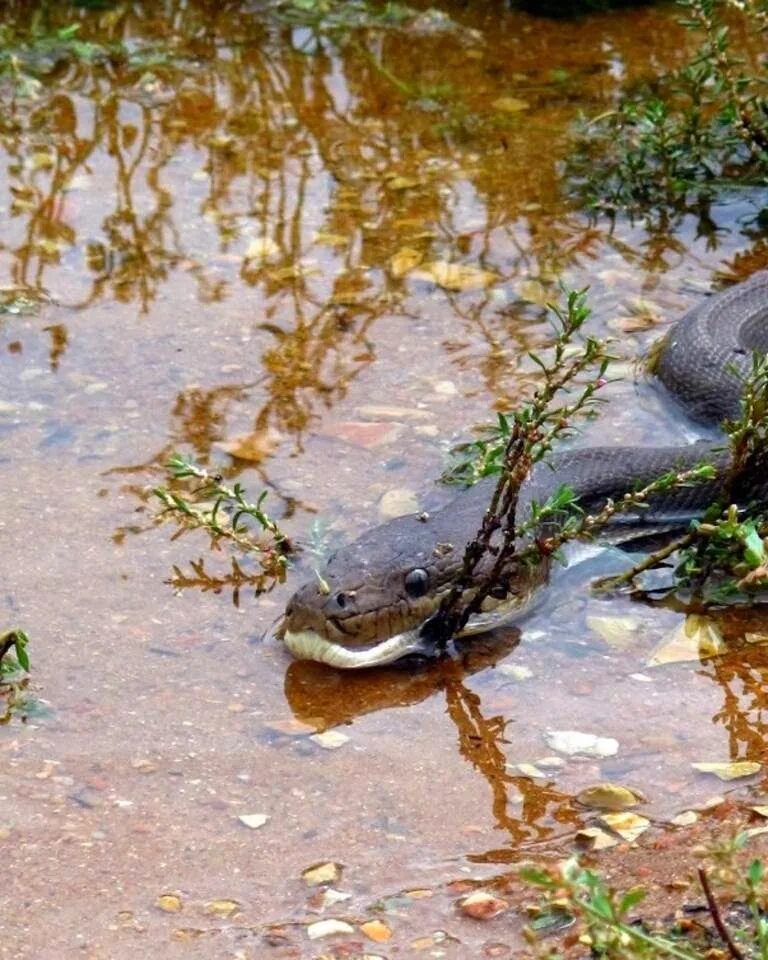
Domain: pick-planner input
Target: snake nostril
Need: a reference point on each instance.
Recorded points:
(341, 600)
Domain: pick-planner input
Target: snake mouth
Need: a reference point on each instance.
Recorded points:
(310, 645)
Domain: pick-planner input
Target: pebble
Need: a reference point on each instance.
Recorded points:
(330, 740)
(481, 905)
(327, 928)
(365, 434)
(253, 820)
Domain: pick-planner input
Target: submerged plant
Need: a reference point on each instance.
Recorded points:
(696, 130)
(227, 515)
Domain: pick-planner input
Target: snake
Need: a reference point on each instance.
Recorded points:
(370, 603)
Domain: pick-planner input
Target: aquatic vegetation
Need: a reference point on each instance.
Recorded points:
(228, 517)
(696, 131)
(605, 920)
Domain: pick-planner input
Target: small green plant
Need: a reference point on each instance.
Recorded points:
(228, 517)
(695, 131)
(606, 920)
(571, 379)
(16, 640)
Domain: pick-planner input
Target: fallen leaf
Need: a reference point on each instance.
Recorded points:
(325, 872)
(618, 632)
(404, 261)
(685, 819)
(529, 770)
(510, 104)
(729, 771)
(596, 839)
(756, 831)
(327, 928)
(222, 908)
(762, 811)
(169, 903)
(629, 826)
(456, 276)
(376, 930)
(253, 820)
(608, 796)
(532, 291)
(572, 742)
(481, 905)
(697, 638)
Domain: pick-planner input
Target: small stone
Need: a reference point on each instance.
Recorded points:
(327, 928)
(446, 388)
(573, 742)
(376, 930)
(253, 820)
(516, 671)
(481, 905)
(365, 434)
(330, 739)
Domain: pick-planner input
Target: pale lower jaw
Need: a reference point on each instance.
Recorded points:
(308, 645)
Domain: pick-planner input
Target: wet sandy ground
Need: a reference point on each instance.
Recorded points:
(200, 250)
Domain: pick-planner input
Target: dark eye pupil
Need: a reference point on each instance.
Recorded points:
(498, 591)
(417, 583)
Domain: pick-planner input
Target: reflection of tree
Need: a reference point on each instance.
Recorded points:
(325, 697)
(744, 711)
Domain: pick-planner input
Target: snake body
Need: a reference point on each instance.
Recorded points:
(376, 593)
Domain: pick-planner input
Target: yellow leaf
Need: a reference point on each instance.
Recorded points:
(729, 771)
(608, 796)
(404, 261)
(456, 276)
(169, 903)
(533, 291)
(616, 631)
(697, 638)
(596, 839)
(629, 826)
(319, 873)
(510, 104)
(222, 908)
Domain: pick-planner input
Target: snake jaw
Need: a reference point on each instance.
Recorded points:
(309, 645)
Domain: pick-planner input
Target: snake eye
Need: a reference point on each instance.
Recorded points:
(498, 591)
(416, 582)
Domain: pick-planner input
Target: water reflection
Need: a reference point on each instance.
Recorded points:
(527, 810)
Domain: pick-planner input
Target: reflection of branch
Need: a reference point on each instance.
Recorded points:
(480, 742)
(235, 579)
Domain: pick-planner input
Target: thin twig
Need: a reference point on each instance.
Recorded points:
(717, 918)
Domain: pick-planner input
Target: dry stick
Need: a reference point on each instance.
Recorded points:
(652, 560)
(717, 918)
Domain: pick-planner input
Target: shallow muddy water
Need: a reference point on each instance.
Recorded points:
(207, 210)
